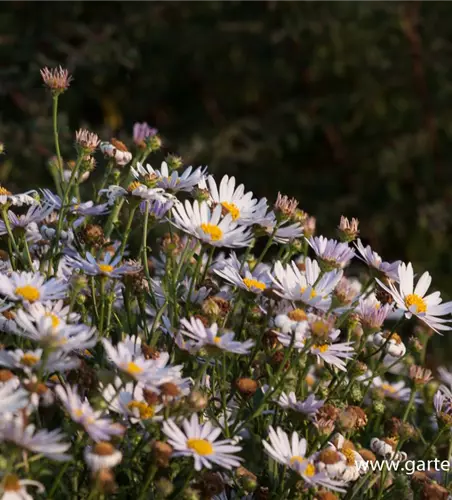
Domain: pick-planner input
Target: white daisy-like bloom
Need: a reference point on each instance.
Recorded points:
(102, 455)
(353, 460)
(308, 407)
(34, 214)
(413, 299)
(296, 338)
(49, 332)
(292, 454)
(333, 254)
(108, 265)
(372, 259)
(286, 232)
(138, 190)
(13, 488)
(255, 281)
(116, 150)
(442, 401)
(386, 448)
(17, 199)
(208, 337)
(12, 397)
(372, 313)
(291, 321)
(32, 360)
(242, 206)
(209, 225)
(130, 401)
(81, 412)
(334, 354)
(29, 287)
(47, 443)
(307, 286)
(170, 181)
(394, 347)
(56, 310)
(394, 391)
(200, 442)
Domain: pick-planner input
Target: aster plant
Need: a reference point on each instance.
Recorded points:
(168, 335)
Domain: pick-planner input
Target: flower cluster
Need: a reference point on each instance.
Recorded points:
(169, 335)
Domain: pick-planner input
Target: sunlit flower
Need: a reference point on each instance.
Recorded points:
(334, 354)
(372, 313)
(169, 181)
(47, 443)
(394, 391)
(12, 397)
(386, 447)
(86, 208)
(35, 213)
(81, 412)
(393, 344)
(331, 253)
(413, 300)
(102, 455)
(142, 132)
(33, 360)
(29, 287)
(210, 226)
(255, 281)
(6, 197)
(353, 468)
(209, 337)
(372, 259)
(108, 265)
(13, 488)
(309, 286)
(308, 407)
(282, 232)
(200, 442)
(244, 209)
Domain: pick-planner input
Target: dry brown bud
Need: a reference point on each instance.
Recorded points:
(246, 386)
(162, 453)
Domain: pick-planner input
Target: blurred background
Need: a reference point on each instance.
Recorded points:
(345, 106)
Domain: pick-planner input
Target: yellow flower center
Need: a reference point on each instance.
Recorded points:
(232, 209)
(28, 292)
(55, 319)
(388, 388)
(320, 328)
(349, 455)
(132, 368)
(213, 231)
(313, 293)
(321, 348)
(309, 471)
(106, 268)
(133, 185)
(416, 300)
(78, 413)
(4, 191)
(29, 359)
(143, 408)
(297, 315)
(200, 446)
(297, 459)
(251, 283)
(217, 340)
(11, 483)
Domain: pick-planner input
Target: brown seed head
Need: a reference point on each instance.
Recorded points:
(246, 386)
(162, 453)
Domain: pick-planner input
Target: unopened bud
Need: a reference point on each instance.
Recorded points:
(246, 386)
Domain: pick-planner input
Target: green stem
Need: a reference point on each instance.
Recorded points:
(56, 139)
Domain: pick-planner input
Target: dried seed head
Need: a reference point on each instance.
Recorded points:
(103, 449)
(93, 235)
(197, 400)
(348, 230)
(6, 375)
(105, 480)
(326, 495)
(246, 386)
(150, 397)
(367, 455)
(329, 456)
(247, 479)
(162, 453)
(56, 79)
(149, 352)
(361, 417)
(285, 207)
(210, 484)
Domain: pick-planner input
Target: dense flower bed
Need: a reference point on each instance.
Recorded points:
(240, 357)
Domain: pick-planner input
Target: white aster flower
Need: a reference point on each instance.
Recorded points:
(102, 455)
(394, 347)
(255, 281)
(55, 310)
(12, 397)
(413, 300)
(200, 442)
(209, 226)
(34, 214)
(13, 488)
(334, 354)
(81, 412)
(353, 460)
(286, 231)
(32, 360)
(209, 337)
(49, 332)
(308, 407)
(242, 206)
(308, 286)
(394, 391)
(48, 443)
(386, 448)
(331, 253)
(108, 265)
(170, 181)
(372, 313)
(372, 259)
(17, 199)
(30, 287)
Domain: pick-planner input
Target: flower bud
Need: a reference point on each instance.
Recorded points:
(246, 479)
(174, 162)
(197, 401)
(246, 386)
(164, 487)
(162, 453)
(348, 230)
